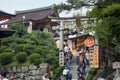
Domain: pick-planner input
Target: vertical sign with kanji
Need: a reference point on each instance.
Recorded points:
(96, 56)
(61, 58)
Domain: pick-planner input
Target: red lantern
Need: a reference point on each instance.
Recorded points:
(89, 42)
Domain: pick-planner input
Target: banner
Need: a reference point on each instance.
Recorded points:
(94, 59)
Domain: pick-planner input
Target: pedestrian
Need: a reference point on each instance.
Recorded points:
(83, 67)
(65, 72)
(87, 54)
(69, 76)
(45, 76)
(70, 55)
(3, 75)
(77, 57)
(79, 71)
(66, 60)
(81, 77)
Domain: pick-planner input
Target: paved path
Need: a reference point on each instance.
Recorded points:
(73, 68)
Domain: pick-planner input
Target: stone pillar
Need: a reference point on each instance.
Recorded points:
(61, 35)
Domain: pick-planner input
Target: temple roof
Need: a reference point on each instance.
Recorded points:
(4, 15)
(33, 14)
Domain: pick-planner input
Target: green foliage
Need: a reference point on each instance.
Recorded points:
(21, 57)
(57, 71)
(33, 57)
(38, 49)
(4, 49)
(96, 12)
(92, 72)
(37, 62)
(28, 48)
(89, 77)
(6, 58)
(20, 30)
(37, 42)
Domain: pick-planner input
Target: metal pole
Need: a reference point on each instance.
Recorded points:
(23, 20)
(61, 35)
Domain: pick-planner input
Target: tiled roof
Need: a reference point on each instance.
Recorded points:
(5, 15)
(33, 14)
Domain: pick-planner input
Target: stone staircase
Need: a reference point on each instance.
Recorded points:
(73, 69)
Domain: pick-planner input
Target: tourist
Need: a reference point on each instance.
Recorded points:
(65, 72)
(79, 71)
(69, 76)
(70, 55)
(77, 57)
(83, 67)
(45, 76)
(87, 54)
(3, 75)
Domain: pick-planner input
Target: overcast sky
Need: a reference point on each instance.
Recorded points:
(11, 6)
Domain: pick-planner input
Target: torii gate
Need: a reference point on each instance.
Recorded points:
(68, 19)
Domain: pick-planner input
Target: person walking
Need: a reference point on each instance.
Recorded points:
(77, 57)
(79, 71)
(87, 54)
(69, 76)
(70, 55)
(83, 67)
(65, 72)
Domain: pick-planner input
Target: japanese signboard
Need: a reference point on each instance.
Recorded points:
(61, 58)
(116, 65)
(94, 57)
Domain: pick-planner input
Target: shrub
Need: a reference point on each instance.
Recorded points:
(5, 58)
(33, 57)
(37, 62)
(89, 77)
(2, 48)
(38, 50)
(21, 57)
(57, 72)
(92, 72)
(20, 47)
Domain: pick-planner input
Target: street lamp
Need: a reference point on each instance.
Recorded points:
(23, 20)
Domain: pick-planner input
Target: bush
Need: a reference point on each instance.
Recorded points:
(21, 57)
(5, 58)
(38, 50)
(37, 62)
(92, 72)
(57, 72)
(33, 57)
(89, 77)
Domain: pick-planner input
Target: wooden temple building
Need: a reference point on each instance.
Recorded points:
(4, 31)
(34, 19)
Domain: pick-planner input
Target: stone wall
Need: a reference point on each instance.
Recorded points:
(30, 72)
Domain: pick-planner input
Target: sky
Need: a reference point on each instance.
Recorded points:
(10, 6)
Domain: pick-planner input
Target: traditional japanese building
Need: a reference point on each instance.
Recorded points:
(34, 19)
(4, 31)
